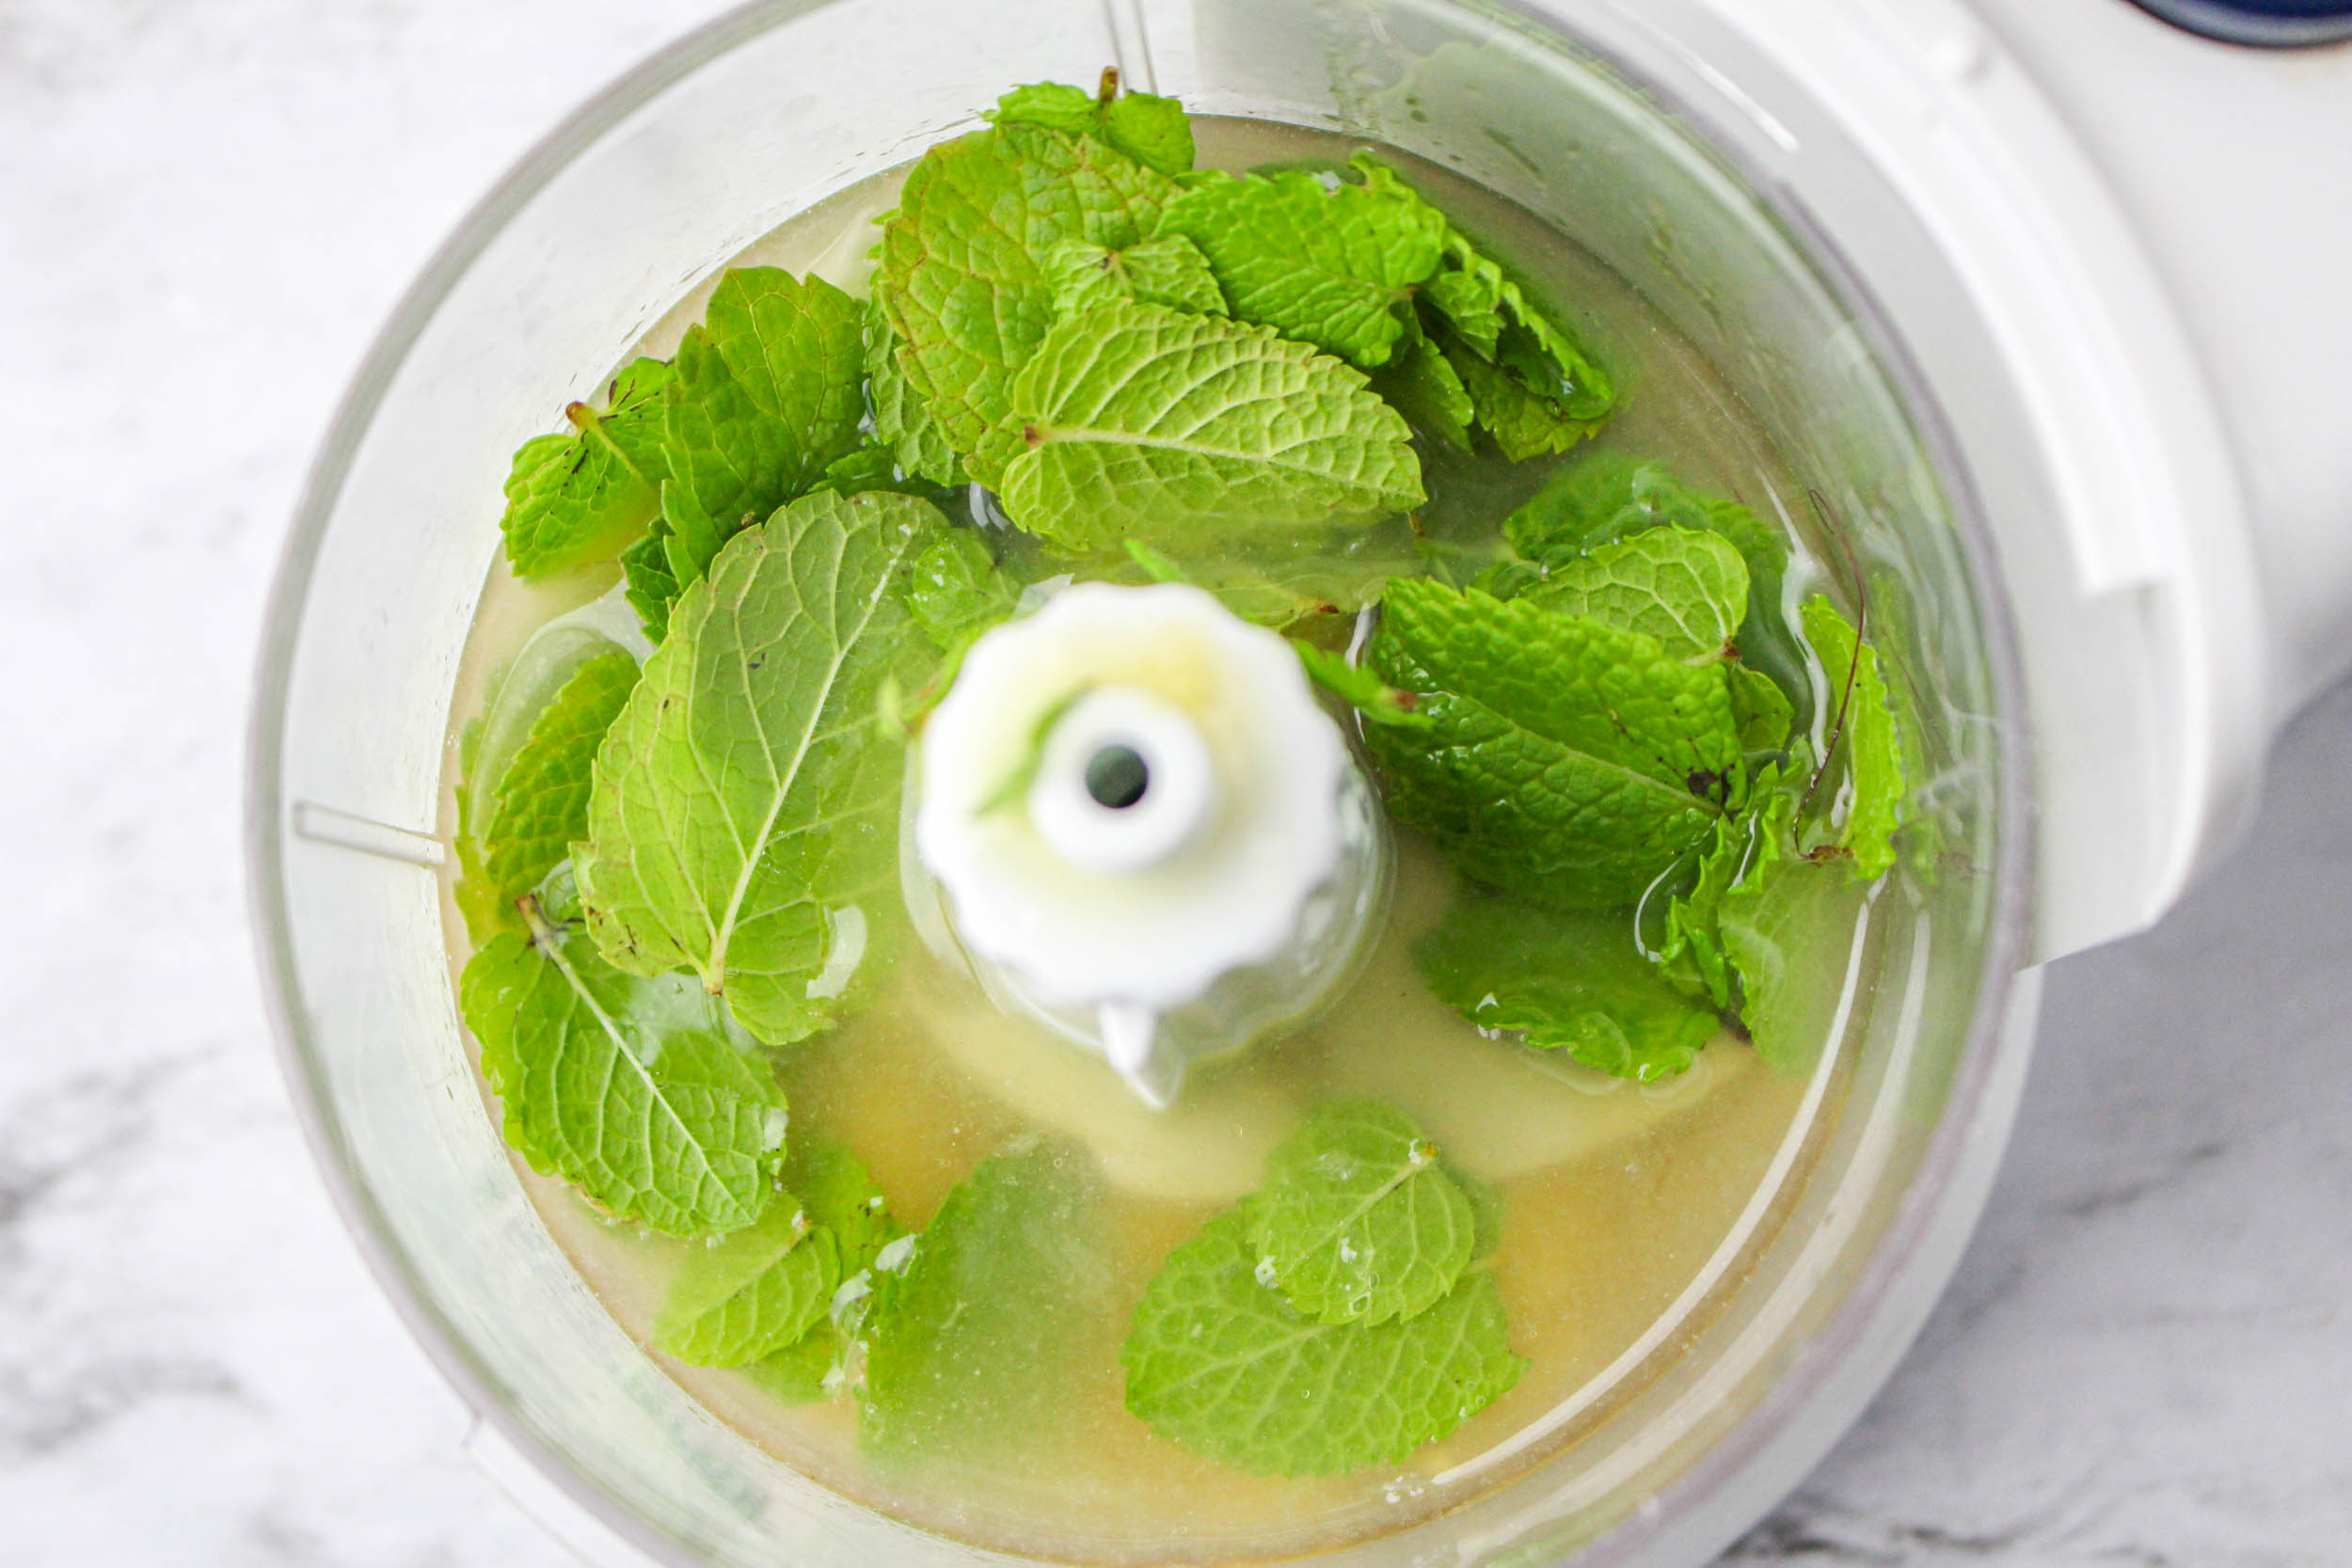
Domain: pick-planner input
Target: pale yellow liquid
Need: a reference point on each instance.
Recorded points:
(1631, 1211)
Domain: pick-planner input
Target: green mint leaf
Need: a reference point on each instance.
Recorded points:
(1423, 385)
(1055, 104)
(650, 585)
(577, 499)
(841, 1200)
(1276, 581)
(1565, 760)
(1226, 1367)
(1692, 949)
(1156, 564)
(1603, 496)
(1522, 421)
(751, 1294)
(1486, 1211)
(1564, 982)
(743, 820)
(1355, 1221)
(537, 805)
(1330, 264)
(849, 1214)
(1138, 421)
(1367, 694)
(768, 391)
(962, 278)
(956, 591)
(803, 1372)
(625, 1085)
(1869, 737)
(901, 422)
(1685, 587)
(1765, 715)
(971, 1343)
(1153, 130)
(1787, 929)
(1535, 389)
(1168, 271)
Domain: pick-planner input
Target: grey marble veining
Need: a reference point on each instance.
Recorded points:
(205, 210)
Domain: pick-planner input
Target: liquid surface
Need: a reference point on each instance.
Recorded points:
(1628, 1210)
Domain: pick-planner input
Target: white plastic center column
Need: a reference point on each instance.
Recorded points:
(1140, 827)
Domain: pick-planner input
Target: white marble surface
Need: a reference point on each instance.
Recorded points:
(205, 210)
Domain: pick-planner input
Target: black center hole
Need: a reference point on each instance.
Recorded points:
(1117, 777)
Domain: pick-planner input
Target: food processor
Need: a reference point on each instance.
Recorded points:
(2042, 305)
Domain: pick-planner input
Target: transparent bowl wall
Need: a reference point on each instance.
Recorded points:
(1624, 145)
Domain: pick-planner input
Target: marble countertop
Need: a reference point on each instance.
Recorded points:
(205, 212)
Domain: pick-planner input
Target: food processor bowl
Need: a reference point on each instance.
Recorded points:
(1824, 298)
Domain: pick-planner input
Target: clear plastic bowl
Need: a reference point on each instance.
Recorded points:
(1619, 129)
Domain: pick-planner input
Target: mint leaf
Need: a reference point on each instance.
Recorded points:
(1226, 1367)
(1868, 735)
(840, 1198)
(1057, 105)
(1168, 271)
(1356, 1222)
(1333, 264)
(847, 1216)
(1603, 496)
(751, 1294)
(955, 591)
(539, 803)
(1153, 130)
(1565, 760)
(1566, 982)
(623, 1084)
(1486, 1211)
(803, 1372)
(1692, 949)
(1273, 580)
(1763, 710)
(765, 392)
(1685, 587)
(577, 499)
(650, 586)
(901, 422)
(1788, 929)
(962, 279)
(970, 1347)
(1424, 386)
(1533, 389)
(743, 820)
(1522, 421)
(1367, 694)
(1137, 422)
